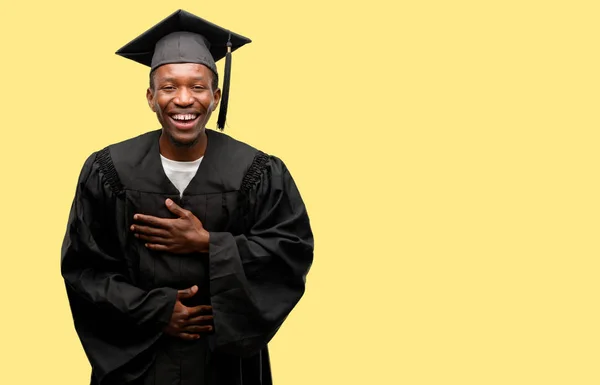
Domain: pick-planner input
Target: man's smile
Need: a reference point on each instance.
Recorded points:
(184, 121)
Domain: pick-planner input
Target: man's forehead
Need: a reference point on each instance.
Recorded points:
(178, 70)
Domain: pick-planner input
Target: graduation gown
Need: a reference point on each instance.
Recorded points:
(122, 294)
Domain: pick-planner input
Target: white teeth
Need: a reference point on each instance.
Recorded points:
(185, 116)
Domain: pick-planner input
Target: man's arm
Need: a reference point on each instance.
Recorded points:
(115, 321)
(257, 278)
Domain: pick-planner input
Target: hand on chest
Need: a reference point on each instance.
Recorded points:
(177, 264)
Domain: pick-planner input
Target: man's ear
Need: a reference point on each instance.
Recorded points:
(150, 97)
(217, 98)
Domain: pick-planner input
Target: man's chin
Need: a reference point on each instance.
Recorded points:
(184, 139)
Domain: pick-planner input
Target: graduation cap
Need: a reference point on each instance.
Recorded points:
(186, 38)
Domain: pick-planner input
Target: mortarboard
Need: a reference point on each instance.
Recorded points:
(186, 38)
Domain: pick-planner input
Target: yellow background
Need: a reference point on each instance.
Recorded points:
(447, 152)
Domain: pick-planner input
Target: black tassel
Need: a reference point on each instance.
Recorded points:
(225, 92)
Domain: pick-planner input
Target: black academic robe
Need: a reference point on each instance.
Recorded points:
(122, 294)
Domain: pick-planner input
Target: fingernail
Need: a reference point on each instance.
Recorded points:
(135, 217)
(136, 235)
(169, 202)
(132, 228)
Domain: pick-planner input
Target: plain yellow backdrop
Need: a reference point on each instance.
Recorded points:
(446, 150)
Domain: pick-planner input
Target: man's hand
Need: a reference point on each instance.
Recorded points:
(182, 235)
(189, 323)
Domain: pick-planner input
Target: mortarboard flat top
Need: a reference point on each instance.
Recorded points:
(142, 48)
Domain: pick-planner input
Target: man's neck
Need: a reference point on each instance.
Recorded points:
(172, 151)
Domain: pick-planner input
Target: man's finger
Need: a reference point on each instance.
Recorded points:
(157, 247)
(175, 209)
(146, 230)
(201, 319)
(163, 223)
(198, 329)
(200, 309)
(188, 336)
(156, 240)
(187, 293)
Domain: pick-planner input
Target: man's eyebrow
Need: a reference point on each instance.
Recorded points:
(172, 79)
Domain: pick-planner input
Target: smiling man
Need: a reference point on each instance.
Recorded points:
(185, 249)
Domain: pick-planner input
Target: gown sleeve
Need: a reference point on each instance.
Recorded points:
(115, 321)
(259, 276)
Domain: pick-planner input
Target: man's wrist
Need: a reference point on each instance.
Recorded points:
(203, 247)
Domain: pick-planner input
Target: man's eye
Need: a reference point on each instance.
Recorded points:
(168, 88)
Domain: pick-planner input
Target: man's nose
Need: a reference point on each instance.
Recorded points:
(184, 98)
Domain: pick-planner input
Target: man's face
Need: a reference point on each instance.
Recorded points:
(183, 99)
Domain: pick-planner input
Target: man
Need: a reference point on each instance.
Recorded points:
(185, 249)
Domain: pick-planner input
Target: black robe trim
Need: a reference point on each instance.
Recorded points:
(254, 173)
(108, 169)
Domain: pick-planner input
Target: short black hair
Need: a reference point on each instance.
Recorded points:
(214, 84)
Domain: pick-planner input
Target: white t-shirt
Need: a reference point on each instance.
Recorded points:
(180, 173)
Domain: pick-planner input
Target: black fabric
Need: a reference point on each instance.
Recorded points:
(107, 168)
(255, 172)
(122, 294)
